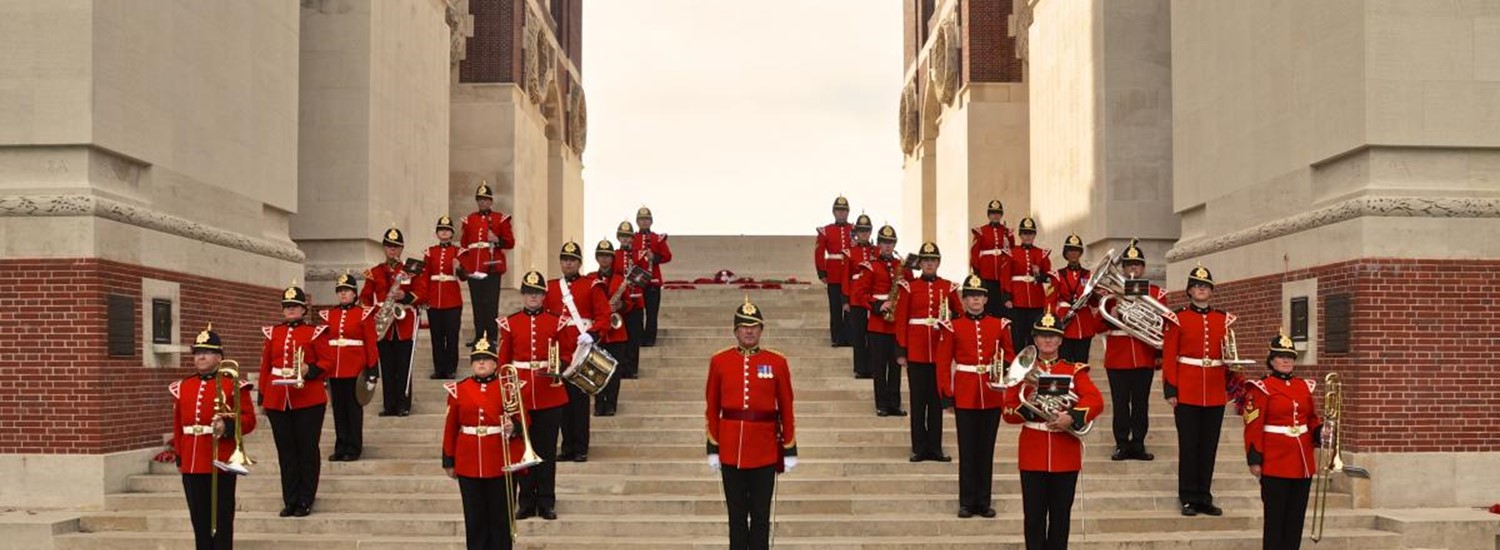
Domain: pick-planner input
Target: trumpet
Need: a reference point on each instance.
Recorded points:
(1330, 460)
(1025, 373)
(227, 405)
(554, 365)
(298, 367)
(511, 404)
(1231, 354)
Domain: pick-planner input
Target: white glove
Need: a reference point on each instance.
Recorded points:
(585, 340)
(479, 276)
(787, 463)
(713, 462)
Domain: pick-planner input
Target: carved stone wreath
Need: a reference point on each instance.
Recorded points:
(546, 65)
(911, 118)
(943, 61)
(530, 71)
(578, 118)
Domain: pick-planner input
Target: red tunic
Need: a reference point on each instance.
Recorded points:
(750, 420)
(349, 348)
(378, 283)
(193, 417)
(624, 260)
(990, 251)
(1068, 284)
(917, 325)
(1190, 354)
(874, 288)
(974, 342)
(1123, 351)
(485, 237)
(1026, 290)
(858, 254)
(1043, 450)
(276, 362)
(438, 283)
(657, 244)
(831, 254)
(1281, 423)
(474, 444)
(613, 335)
(524, 340)
(588, 296)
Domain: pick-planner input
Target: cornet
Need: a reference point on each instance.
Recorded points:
(298, 367)
(1231, 354)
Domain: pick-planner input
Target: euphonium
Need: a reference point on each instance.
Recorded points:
(511, 404)
(1329, 460)
(1143, 317)
(1024, 372)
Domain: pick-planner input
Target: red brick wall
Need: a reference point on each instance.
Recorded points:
(989, 50)
(60, 392)
(1423, 336)
(493, 54)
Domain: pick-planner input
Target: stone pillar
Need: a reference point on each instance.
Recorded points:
(148, 171)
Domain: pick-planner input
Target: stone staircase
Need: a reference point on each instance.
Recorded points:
(647, 485)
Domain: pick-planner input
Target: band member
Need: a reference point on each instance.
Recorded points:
(651, 251)
(635, 316)
(445, 300)
(979, 342)
(922, 318)
(350, 357)
(751, 428)
(486, 236)
(1067, 295)
(294, 399)
(989, 256)
(857, 311)
(1282, 426)
(1131, 364)
(582, 300)
(878, 282)
(479, 441)
(1028, 277)
(525, 338)
(201, 435)
(1194, 377)
(1051, 456)
(831, 256)
(616, 341)
(398, 345)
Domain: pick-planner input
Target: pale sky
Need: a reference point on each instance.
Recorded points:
(732, 117)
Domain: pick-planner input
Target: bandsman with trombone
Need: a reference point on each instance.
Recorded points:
(485, 445)
(350, 357)
(536, 342)
(389, 288)
(294, 398)
(751, 428)
(1131, 364)
(923, 318)
(971, 362)
(880, 280)
(1194, 379)
(1282, 426)
(989, 256)
(211, 411)
(583, 301)
(1055, 403)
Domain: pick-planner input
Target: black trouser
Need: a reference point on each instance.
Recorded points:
(296, 433)
(926, 409)
(1021, 321)
(486, 519)
(882, 360)
(443, 326)
(747, 495)
(609, 399)
(1198, 447)
(348, 416)
(996, 304)
(631, 360)
(977, 429)
(653, 307)
(538, 486)
(575, 421)
(836, 315)
(858, 319)
(1284, 502)
(199, 491)
(1047, 504)
(395, 369)
(484, 295)
(1130, 392)
(1075, 350)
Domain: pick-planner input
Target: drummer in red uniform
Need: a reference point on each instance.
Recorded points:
(1050, 454)
(200, 436)
(1282, 427)
(751, 427)
(479, 441)
(350, 357)
(978, 342)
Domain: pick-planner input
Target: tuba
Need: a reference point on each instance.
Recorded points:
(227, 405)
(1025, 373)
(511, 404)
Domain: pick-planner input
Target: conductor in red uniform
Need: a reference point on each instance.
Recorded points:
(445, 300)
(751, 428)
(294, 399)
(1028, 276)
(989, 257)
(1131, 364)
(1282, 427)
(479, 442)
(1050, 454)
(922, 319)
(200, 435)
(978, 343)
(1194, 377)
(487, 234)
(831, 258)
(349, 355)
(525, 338)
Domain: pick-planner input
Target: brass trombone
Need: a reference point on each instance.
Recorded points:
(511, 404)
(1329, 459)
(226, 405)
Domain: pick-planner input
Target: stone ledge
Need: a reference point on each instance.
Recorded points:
(34, 529)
